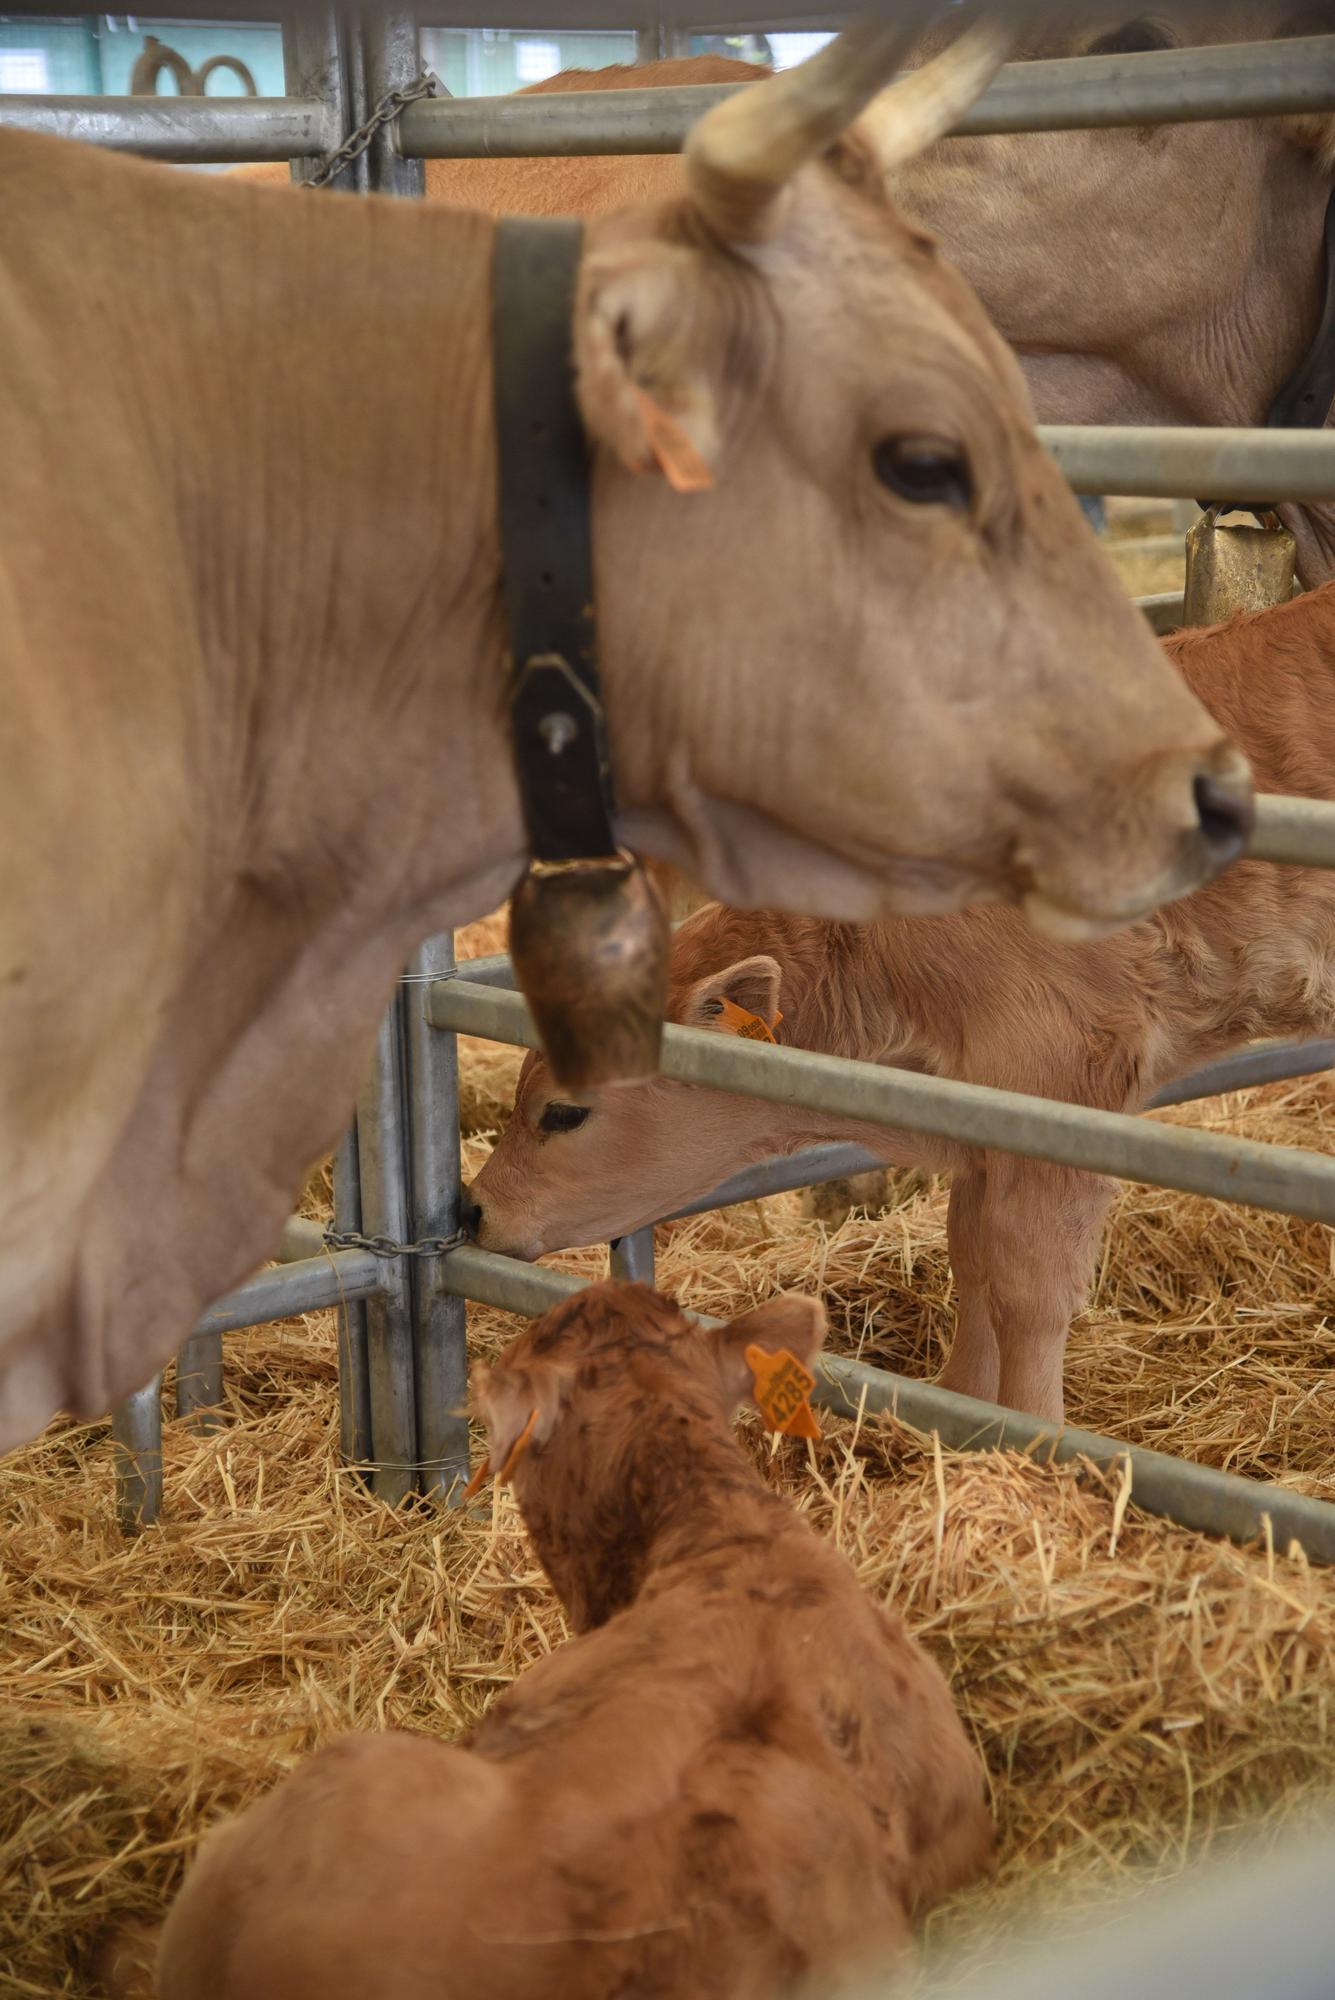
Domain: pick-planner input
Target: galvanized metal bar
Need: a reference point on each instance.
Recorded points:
(783, 1174)
(315, 67)
(631, 1258)
(382, 1161)
(1282, 1178)
(136, 1427)
(199, 1378)
(1264, 1062)
(1168, 460)
(192, 131)
(1299, 831)
(308, 1286)
(1248, 79)
(1164, 609)
(435, 1192)
(1195, 1496)
(301, 1238)
(354, 1348)
(494, 970)
(1267, 1062)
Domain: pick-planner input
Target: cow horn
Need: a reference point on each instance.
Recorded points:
(741, 154)
(903, 120)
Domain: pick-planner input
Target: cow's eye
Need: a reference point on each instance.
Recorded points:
(563, 1117)
(1133, 38)
(929, 470)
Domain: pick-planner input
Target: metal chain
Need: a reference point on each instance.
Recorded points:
(385, 1246)
(356, 143)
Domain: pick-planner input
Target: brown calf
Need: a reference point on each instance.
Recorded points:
(981, 998)
(741, 1777)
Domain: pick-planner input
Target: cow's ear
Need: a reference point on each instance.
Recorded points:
(751, 987)
(641, 351)
(520, 1406)
(791, 1323)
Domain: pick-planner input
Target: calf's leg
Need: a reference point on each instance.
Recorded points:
(974, 1364)
(1040, 1236)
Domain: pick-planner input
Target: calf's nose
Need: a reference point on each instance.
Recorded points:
(1225, 809)
(470, 1216)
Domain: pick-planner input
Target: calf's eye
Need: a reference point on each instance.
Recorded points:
(930, 471)
(563, 1117)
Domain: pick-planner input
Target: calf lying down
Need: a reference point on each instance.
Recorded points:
(741, 1772)
(978, 997)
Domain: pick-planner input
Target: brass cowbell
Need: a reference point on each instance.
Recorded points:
(1236, 566)
(590, 942)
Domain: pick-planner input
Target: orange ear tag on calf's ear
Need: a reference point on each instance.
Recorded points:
(735, 1020)
(677, 458)
(781, 1388)
(516, 1452)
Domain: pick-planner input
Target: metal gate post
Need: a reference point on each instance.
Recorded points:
(390, 59)
(136, 1426)
(315, 64)
(199, 1379)
(632, 1257)
(354, 1380)
(382, 1131)
(439, 1320)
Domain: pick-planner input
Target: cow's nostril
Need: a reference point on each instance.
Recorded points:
(1224, 808)
(470, 1217)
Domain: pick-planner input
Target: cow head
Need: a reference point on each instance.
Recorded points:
(834, 561)
(1166, 274)
(564, 1173)
(597, 1410)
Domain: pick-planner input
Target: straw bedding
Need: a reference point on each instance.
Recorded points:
(1138, 1691)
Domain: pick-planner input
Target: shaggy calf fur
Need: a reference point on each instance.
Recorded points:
(741, 1779)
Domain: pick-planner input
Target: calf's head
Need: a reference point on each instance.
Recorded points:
(863, 653)
(565, 1173)
(600, 1412)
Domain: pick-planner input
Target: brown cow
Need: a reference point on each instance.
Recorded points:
(741, 1780)
(253, 720)
(975, 996)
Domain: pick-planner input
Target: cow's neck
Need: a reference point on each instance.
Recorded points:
(344, 552)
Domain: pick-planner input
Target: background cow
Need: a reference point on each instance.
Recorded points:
(741, 1780)
(252, 659)
(978, 997)
(1167, 274)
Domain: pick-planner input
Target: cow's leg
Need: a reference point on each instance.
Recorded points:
(974, 1364)
(1040, 1239)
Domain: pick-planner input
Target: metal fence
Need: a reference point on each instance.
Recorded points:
(402, 1334)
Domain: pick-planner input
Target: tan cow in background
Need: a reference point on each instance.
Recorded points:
(977, 997)
(1168, 274)
(252, 663)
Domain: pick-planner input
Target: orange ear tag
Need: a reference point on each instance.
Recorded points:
(735, 1020)
(781, 1387)
(681, 464)
(516, 1452)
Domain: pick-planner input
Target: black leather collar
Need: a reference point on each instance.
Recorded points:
(557, 722)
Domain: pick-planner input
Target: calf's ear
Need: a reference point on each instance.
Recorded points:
(751, 984)
(790, 1322)
(519, 1406)
(641, 361)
